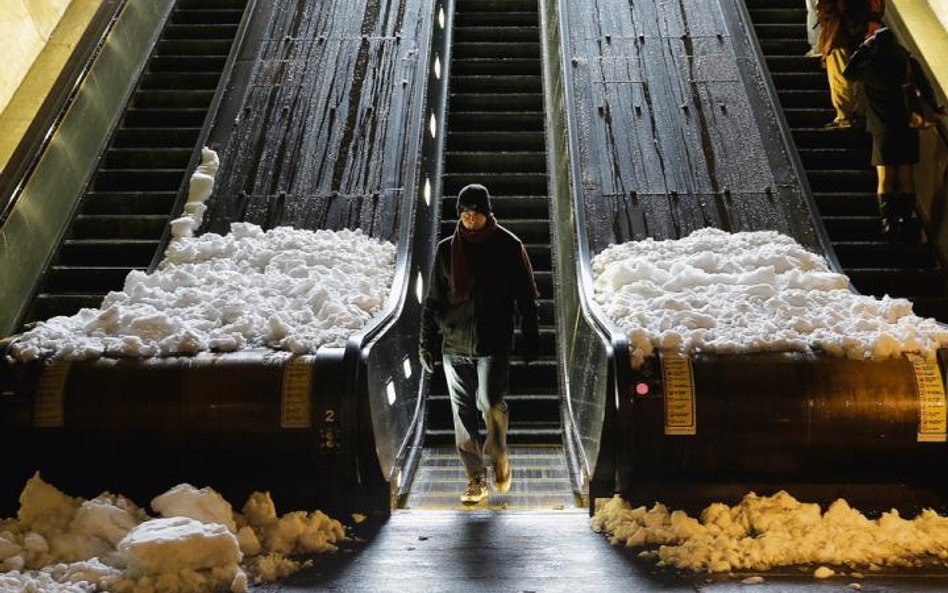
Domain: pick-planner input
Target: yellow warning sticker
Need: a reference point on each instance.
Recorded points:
(678, 383)
(297, 387)
(48, 407)
(932, 421)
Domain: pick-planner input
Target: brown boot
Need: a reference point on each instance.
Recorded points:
(503, 475)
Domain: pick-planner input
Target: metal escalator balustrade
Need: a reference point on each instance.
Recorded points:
(495, 136)
(129, 200)
(837, 164)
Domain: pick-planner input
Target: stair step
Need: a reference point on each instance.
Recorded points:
(121, 226)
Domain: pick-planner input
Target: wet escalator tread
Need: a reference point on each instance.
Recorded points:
(129, 199)
(839, 171)
(495, 136)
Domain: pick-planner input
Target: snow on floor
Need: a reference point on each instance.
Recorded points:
(748, 292)
(60, 544)
(762, 533)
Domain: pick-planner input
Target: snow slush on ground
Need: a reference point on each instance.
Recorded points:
(748, 292)
(765, 532)
(284, 288)
(60, 544)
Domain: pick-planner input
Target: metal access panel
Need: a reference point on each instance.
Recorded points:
(711, 426)
(237, 422)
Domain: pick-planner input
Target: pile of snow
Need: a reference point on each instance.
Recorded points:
(761, 533)
(59, 544)
(748, 292)
(284, 288)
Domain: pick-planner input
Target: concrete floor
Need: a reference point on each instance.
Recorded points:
(541, 552)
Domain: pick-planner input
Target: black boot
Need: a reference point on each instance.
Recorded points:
(910, 227)
(888, 209)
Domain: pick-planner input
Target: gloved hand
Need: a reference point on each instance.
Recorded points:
(426, 358)
(530, 346)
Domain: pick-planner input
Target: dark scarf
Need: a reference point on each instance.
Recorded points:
(460, 274)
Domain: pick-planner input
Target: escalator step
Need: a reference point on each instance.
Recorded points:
(786, 47)
(121, 226)
(497, 5)
(820, 138)
(187, 64)
(779, 15)
(498, 184)
(934, 307)
(810, 118)
(505, 207)
(95, 280)
(786, 81)
(138, 179)
(147, 158)
(176, 99)
(469, 18)
(793, 63)
(496, 34)
(46, 306)
(495, 140)
(496, 50)
(495, 121)
(496, 102)
(162, 118)
(529, 231)
(826, 180)
(193, 47)
(200, 31)
(865, 254)
(538, 408)
(179, 80)
(536, 377)
(847, 204)
(207, 16)
(853, 228)
(507, 83)
(475, 66)
(898, 283)
(517, 434)
(183, 137)
(782, 30)
(495, 162)
(130, 253)
(137, 203)
(817, 159)
(219, 4)
(804, 98)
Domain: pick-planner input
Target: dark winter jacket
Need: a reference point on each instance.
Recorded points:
(501, 285)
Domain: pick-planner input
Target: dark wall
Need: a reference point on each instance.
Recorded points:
(316, 131)
(676, 128)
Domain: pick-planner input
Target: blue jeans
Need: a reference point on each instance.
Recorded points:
(477, 384)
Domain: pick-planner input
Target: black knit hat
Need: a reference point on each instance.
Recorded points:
(474, 197)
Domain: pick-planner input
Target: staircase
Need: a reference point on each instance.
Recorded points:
(495, 137)
(838, 169)
(128, 202)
